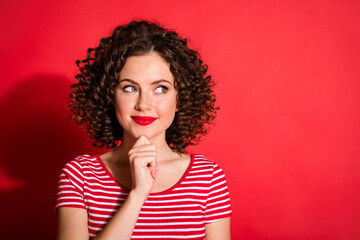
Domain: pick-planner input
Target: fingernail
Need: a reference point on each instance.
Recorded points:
(157, 169)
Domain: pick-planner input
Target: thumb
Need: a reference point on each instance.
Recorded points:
(153, 169)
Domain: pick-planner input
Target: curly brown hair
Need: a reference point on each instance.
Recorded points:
(92, 96)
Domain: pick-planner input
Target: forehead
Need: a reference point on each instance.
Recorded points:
(145, 68)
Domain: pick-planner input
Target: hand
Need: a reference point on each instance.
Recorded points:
(143, 165)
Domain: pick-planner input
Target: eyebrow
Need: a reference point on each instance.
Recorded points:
(160, 81)
(153, 83)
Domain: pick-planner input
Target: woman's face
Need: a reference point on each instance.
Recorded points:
(145, 99)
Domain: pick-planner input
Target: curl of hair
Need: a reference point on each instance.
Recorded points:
(91, 100)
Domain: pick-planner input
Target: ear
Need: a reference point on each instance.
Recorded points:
(177, 109)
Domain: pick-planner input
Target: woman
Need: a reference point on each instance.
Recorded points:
(144, 88)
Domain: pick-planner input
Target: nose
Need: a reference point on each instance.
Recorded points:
(143, 102)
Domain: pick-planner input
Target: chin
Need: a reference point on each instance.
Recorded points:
(147, 134)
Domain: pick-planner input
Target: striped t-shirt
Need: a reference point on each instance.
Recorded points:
(201, 196)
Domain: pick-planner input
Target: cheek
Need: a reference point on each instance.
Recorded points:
(123, 106)
(167, 106)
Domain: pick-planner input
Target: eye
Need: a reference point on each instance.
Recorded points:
(129, 89)
(161, 89)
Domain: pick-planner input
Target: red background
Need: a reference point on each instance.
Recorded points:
(287, 134)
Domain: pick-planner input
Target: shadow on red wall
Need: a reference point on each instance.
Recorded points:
(37, 139)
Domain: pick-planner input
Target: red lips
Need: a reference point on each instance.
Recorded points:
(143, 120)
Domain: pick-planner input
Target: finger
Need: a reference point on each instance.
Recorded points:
(146, 140)
(142, 148)
(147, 162)
(153, 170)
(153, 173)
(142, 140)
(144, 158)
(150, 154)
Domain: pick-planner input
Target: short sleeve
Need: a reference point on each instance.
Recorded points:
(71, 186)
(218, 201)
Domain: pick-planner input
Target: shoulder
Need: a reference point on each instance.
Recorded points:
(83, 160)
(201, 160)
(80, 162)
